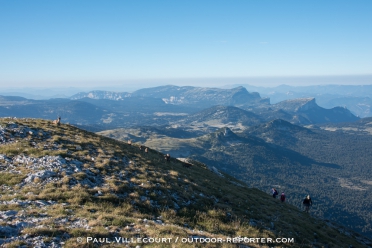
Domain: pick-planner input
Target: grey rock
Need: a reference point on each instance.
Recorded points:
(43, 174)
(42, 203)
(21, 225)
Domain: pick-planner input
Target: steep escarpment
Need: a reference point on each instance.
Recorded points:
(306, 111)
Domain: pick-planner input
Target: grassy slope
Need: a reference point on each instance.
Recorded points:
(220, 207)
(337, 162)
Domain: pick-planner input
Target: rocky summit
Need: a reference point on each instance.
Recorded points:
(65, 187)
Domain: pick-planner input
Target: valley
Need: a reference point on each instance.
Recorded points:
(294, 145)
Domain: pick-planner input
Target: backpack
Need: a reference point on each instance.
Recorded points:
(275, 192)
(282, 198)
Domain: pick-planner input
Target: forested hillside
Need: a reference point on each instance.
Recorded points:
(332, 166)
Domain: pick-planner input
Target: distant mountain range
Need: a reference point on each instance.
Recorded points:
(356, 98)
(167, 105)
(197, 97)
(295, 145)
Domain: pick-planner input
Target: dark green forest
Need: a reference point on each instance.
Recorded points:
(333, 167)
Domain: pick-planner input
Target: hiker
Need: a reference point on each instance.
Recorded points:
(140, 147)
(274, 192)
(307, 203)
(146, 150)
(58, 121)
(129, 142)
(167, 157)
(282, 197)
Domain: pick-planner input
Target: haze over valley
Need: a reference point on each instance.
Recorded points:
(294, 145)
(175, 120)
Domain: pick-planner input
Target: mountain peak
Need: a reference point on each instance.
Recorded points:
(279, 123)
(224, 135)
(227, 131)
(241, 96)
(306, 111)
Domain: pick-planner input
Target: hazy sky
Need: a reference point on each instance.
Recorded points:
(98, 43)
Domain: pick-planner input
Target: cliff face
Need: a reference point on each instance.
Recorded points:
(307, 105)
(242, 96)
(307, 111)
(296, 105)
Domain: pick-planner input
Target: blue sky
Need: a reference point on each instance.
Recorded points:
(98, 43)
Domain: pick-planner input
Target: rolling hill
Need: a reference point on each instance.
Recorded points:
(219, 116)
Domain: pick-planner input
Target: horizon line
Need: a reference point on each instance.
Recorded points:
(259, 81)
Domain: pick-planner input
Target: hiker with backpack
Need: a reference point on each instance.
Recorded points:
(282, 197)
(274, 192)
(167, 157)
(307, 203)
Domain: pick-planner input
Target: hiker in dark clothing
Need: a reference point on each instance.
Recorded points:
(307, 203)
(274, 192)
(282, 197)
(167, 157)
